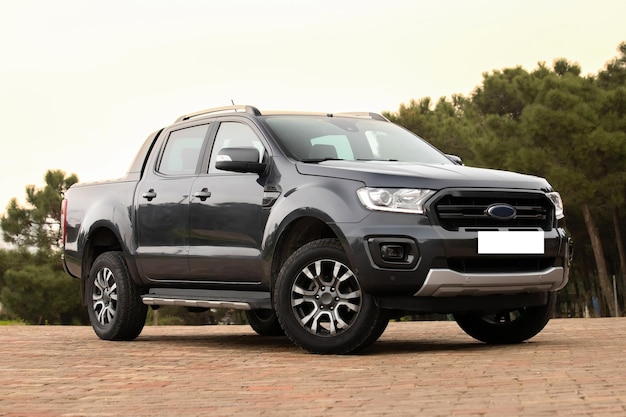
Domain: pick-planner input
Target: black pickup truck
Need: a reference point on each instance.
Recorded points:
(322, 227)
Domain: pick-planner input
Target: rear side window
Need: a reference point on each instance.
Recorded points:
(182, 151)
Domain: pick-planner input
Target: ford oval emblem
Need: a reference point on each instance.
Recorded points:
(501, 211)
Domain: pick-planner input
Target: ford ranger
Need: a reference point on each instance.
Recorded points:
(320, 226)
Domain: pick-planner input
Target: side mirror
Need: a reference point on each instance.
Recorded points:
(239, 160)
(456, 159)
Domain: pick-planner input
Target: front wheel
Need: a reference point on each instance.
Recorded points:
(508, 326)
(320, 303)
(113, 301)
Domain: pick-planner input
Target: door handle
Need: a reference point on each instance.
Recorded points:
(149, 195)
(203, 194)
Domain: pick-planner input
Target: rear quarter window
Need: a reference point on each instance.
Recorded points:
(182, 151)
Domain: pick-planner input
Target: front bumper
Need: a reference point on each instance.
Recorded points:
(443, 263)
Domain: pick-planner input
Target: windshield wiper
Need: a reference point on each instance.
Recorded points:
(317, 160)
(377, 160)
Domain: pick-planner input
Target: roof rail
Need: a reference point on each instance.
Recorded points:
(238, 108)
(374, 116)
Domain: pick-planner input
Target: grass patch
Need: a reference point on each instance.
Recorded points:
(12, 323)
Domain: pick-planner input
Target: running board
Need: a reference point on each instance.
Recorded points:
(238, 300)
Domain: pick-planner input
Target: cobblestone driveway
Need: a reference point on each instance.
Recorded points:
(575, 367)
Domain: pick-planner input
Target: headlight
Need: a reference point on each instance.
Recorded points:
(404, 200)
(558, 204)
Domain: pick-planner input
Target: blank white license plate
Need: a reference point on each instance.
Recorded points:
(511, 243)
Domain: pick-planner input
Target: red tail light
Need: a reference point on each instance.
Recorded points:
(63, 221)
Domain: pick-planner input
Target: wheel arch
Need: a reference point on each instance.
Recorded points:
(104, 238)
(299, 231)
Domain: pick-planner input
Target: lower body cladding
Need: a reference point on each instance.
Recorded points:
(463, 304)
(447, 291)
(448, 283)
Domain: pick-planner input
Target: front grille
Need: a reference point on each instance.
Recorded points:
(468, 209)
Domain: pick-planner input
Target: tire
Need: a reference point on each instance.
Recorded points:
(320, 304)
(113, 300)
(507, 327)
(264, 322)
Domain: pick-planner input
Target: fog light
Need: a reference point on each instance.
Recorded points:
(392, 252)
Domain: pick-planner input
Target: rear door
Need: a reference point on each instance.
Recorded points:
(226, 216)
(162, 222)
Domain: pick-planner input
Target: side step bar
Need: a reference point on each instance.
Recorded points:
(238, 300)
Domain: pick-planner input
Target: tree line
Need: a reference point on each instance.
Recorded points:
(33, 286)
(551, 121)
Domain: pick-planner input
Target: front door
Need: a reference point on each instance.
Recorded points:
(226, 217)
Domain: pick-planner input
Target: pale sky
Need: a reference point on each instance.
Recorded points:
(83, 83)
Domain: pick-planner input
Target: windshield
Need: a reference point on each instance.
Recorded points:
(316, 139)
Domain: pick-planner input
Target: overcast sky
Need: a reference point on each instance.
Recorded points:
(83, 83)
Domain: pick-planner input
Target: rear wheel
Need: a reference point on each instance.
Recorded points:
(113, 300)
(264, 322)
(320, 303)
(507, 326)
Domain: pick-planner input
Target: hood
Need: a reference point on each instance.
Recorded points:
(413, 175)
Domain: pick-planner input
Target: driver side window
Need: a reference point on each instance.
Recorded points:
(234, 135)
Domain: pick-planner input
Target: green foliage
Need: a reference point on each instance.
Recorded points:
(11, 322)
(34, 289)
(443, 124)
(614, 75)
(37, 225)
(11, 260)
(500, 93)
(41, 294)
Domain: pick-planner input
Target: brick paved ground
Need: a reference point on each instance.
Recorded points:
(575, 367)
